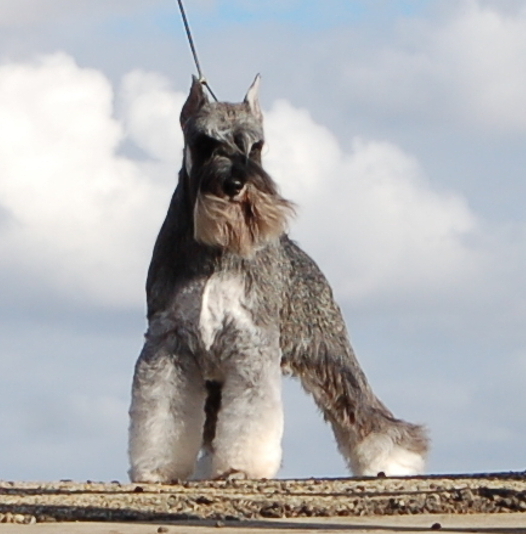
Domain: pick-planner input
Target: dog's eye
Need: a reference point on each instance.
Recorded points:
(256, 148)
(205, 145)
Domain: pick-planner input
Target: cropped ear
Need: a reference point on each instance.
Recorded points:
(195, 101)
(252, 98)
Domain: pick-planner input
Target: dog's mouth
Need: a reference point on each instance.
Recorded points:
(242, 221)
(230, 191)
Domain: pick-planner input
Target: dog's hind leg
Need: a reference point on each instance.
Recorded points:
(249, 425)
(316, 349)
(166, 416)
(370, 438)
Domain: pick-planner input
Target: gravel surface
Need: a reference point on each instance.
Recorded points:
(231, 500)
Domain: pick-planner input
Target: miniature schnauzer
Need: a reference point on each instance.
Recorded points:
(233, 302)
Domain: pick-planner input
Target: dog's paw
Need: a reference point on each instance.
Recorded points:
(232, 474)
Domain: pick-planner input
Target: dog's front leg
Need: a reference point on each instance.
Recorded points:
(166, 415)
(250, 422)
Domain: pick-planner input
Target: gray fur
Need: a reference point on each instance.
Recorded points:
(223, 319)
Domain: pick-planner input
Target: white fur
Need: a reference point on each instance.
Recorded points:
(222, 299)
(250, 428)
(167, 418)
(167, 411)
(188, 160)
(250, 423)
(378, 453)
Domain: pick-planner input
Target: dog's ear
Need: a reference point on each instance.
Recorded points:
(252, 98)
(195, 101)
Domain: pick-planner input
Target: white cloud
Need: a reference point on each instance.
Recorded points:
(369, 212)
(151, 115)
(85, 217)
(300, 153)
(82, 217)
(467, 67)
(484, 52)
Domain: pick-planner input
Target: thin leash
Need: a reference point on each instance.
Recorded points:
(202, 79)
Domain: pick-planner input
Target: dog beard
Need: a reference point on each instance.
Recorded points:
(242, 225)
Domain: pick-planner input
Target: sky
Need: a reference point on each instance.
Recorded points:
(397, 127)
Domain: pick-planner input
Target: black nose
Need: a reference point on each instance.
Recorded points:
(232, 186)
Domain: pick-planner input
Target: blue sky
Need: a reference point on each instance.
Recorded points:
(309, 15)
(397, 127)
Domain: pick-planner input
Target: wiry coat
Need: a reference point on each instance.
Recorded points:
(232, 301)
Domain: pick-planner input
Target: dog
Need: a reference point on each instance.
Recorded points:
(232, 303)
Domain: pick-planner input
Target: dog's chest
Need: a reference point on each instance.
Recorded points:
(224, 304)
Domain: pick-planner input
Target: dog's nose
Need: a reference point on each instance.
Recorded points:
(232, 186)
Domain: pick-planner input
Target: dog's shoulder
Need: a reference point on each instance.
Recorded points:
(305, 275)
(310, 314)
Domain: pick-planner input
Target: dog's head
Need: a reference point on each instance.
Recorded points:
(236, 203)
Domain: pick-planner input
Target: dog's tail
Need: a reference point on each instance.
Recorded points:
(369, 437)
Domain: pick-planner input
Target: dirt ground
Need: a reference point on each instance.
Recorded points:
(484, 523)
(434, 502)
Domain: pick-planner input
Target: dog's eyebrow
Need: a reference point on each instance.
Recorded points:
(204, 136)
(243, 141)
(219, 134)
